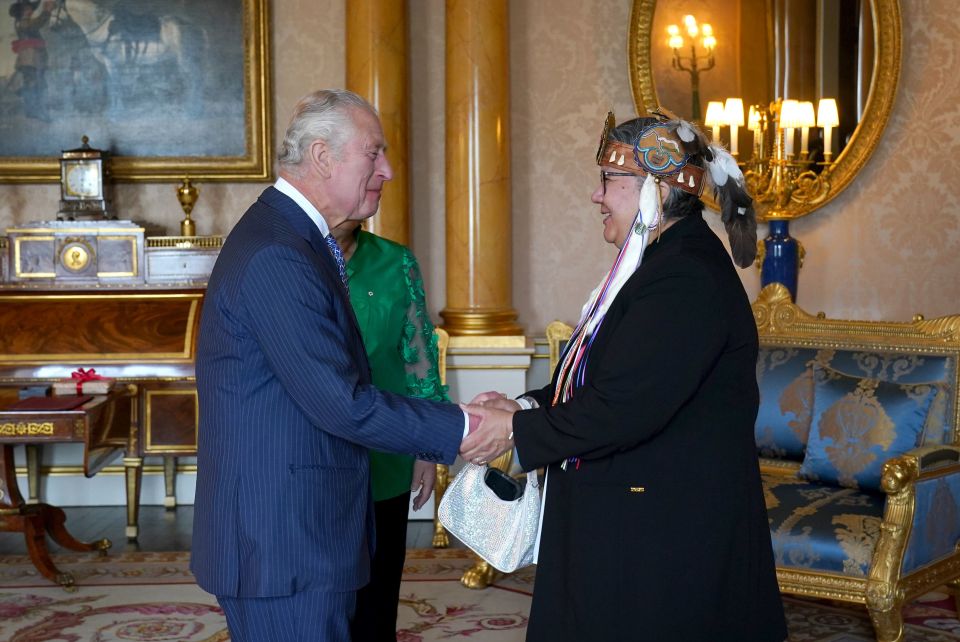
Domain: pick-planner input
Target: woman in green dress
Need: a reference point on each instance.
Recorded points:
(386, 291)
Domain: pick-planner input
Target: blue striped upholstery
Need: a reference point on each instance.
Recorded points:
(287, 414)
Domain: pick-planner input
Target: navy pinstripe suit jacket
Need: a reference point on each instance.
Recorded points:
(287, 414)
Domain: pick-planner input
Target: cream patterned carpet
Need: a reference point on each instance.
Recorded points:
(140, 597)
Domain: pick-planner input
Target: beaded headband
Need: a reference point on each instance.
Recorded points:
(658, 150)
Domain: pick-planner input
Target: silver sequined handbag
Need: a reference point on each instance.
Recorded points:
(501, 532)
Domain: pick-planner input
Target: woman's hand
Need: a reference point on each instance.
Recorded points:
(424, 478)
(497, 400)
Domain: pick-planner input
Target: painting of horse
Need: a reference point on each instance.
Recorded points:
(145, 79)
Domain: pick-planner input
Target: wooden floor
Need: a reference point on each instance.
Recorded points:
(160, 530)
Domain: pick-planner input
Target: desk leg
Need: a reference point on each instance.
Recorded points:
(33, 473)
(134, 470)
(170, 482)
(36, 521)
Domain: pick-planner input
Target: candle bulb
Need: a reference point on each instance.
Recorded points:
(715, 118)
(807, 121)
(789, 120)
(733, 112)
(753, 124)
(828, 118)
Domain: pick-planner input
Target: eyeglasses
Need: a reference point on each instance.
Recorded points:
(605, 175)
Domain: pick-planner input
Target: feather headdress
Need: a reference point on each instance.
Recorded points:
(683, 172)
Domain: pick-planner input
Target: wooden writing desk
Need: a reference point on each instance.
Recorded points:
(144, 337)
(102, 425)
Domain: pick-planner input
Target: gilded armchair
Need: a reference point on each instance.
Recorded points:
(858, 436)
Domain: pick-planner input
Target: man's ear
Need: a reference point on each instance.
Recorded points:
(321, 157)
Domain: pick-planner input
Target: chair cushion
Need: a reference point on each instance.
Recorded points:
(785, 379)
(822, 528)
(905, 368)
(858, 424)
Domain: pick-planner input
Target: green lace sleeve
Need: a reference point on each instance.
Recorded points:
(419, 343)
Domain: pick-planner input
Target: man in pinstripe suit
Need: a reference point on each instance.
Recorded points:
(283, 514)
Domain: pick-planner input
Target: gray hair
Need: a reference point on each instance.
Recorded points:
(323, 115)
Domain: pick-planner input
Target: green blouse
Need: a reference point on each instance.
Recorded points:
(386, 290)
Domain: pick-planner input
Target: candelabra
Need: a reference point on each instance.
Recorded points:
(692, 64)
(784, 183)
(781, 180)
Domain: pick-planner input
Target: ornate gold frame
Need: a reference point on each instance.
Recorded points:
(883, 89)
(884, 590)
(256, 164)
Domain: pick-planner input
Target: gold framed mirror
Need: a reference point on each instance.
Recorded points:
(756, 59)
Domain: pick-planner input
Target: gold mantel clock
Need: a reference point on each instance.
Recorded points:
(82, 172)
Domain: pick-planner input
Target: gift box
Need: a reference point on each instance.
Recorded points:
(84, 382)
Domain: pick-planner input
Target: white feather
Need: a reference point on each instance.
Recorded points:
(650, 202)
(723, 166)
(686, 132)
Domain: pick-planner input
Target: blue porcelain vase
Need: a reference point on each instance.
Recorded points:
(781, 262)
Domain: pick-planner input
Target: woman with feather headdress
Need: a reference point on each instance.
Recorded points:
(653, 523)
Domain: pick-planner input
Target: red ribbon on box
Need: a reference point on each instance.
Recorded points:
(81, 376)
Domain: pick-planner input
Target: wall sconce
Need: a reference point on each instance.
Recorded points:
(692, 63)
(716, 118)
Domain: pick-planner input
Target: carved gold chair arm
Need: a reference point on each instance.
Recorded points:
(888, 582)
(904, 470)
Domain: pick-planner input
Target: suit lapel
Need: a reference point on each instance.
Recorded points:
(308, 230)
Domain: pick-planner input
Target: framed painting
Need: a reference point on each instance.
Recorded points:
(169, 88)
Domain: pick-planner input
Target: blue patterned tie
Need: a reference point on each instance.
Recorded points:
(338, 255)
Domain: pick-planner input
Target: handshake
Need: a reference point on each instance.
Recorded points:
(491, 427)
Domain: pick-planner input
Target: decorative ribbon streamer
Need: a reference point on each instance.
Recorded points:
(81, 376)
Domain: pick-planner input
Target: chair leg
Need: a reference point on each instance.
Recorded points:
(440, 537)
(888, 625)
(33, 473)
(170, 482)
(955, 585)
(480, 575)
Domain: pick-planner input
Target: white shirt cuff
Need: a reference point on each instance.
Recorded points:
(466, 424)
(527, 403)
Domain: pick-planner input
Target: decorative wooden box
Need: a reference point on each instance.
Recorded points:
(181, 259)
(77, 252)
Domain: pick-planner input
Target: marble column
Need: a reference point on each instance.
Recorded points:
(478, 218)
(377, 70)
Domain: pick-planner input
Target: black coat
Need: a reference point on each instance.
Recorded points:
(661, 534)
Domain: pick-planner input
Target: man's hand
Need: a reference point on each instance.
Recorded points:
(494, 437)
(424, 477)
